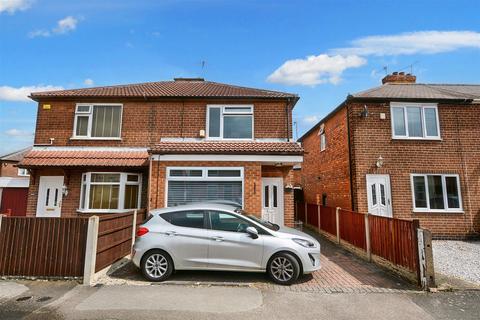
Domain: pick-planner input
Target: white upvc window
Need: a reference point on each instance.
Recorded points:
(110, 191)
(436, 193)
(230, 122)
(197, 184)
(22, 172)
(98, 121)
(415, 121)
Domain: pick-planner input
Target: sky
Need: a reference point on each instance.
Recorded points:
(320, 50)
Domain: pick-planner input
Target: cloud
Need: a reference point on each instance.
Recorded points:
(88, 82)
(310, 119)
(11, 6)
(420, 42)
(64, 26)
(18, 133)
(21, 94)
(315, 70)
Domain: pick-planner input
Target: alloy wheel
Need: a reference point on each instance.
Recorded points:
(156, 265)
(282, 269)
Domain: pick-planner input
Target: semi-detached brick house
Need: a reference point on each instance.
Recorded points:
(402, 149)
(151, 145)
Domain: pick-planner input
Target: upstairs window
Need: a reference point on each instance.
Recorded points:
(22, 172)
(436, 192)
(97, 121)
(230, 122)
(323, 138)
(414, 121)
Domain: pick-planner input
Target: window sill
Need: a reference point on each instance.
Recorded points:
(104, 139)
(416, 139)
(104, 211)
(459, 211)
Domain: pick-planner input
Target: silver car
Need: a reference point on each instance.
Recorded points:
(213, 236)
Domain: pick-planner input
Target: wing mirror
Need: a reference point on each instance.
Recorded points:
(252, 232)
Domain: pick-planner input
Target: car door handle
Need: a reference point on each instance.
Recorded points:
(219, 239)
(171, 233)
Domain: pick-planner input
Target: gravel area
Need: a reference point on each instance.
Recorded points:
(459, 259)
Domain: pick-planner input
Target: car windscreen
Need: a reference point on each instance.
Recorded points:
(266, 224)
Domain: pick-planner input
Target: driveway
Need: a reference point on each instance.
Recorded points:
(341, 272)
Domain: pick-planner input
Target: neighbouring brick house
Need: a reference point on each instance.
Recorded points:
(151, 145)
(402, 149)
(13, 184)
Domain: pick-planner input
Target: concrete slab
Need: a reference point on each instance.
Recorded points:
(10, 289)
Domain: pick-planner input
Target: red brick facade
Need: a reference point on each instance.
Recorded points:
(458, 152)
(8, 169)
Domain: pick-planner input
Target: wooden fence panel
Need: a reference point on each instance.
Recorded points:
(394, 240)
(312, 214)
(328, 220)
(352, 228)
(42, 247)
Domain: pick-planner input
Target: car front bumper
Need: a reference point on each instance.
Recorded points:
(310, 260)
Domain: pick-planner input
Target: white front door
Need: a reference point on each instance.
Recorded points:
(49, 203)
(272, 200)
(378, 193)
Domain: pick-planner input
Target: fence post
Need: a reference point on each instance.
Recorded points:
(367, 238)
(337, 221)
(318, 213)
(306, 213)
(91, 250)
(134, 230)
(427, 272)
(415, 227)
(1, 216)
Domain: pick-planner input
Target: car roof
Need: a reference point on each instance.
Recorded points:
(207, 205)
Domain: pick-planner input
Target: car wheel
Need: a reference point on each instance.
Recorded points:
(156, 265)
(283, 268)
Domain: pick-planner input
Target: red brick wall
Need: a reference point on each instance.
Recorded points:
(7, 169)
(144, 123)
(328, 171)
(253, 173)
(458, 152)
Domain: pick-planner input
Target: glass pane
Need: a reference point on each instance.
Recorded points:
(83, 109)
(105, 177)
(227, 222)
(374, 194)
(414, 117)
(186, 173)
(323, 142)
(431, 121)
(237, 127)
(131, 196)
(48, 197)
(238, 109)
(275, 195)
(214, 122)
(399, 122)
(266, 196)
(435, 192)
(382, 194)
(106, 121)
(82, 197)
(188, 219)
(419, 192)
(453, 198)
(56, 198)
(183, 192)
(224, 173)
(104, 197)
(82, 126)
(132, 178)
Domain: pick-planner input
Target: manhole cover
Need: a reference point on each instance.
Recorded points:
(24, 298)
(43, 299)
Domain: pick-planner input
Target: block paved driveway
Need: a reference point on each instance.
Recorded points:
(341, 272)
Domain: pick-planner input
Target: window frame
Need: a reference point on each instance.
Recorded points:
(204, 177)
(222, 108)
(23, 172)
(209, 213)
(422, 106)
(89, 114)
(323, 142)
(444, 193)
(206, 218)
(86, 183)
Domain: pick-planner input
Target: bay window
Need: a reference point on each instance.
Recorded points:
(436, 192)
(110, 191)
(414, 121)
(197, 184)
(97, 121)
(230, 122)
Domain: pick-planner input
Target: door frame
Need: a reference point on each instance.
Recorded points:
(40, 196)
(281, 196)
(388, 192)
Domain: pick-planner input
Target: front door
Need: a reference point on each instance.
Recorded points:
(272, 200)
(378, 193)
(49, 203)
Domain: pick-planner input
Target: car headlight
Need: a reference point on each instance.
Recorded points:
(304, 243)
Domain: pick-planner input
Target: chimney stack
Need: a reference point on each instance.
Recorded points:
(399, 77)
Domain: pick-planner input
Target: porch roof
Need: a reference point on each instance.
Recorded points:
(222, 147)
(50, 157)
